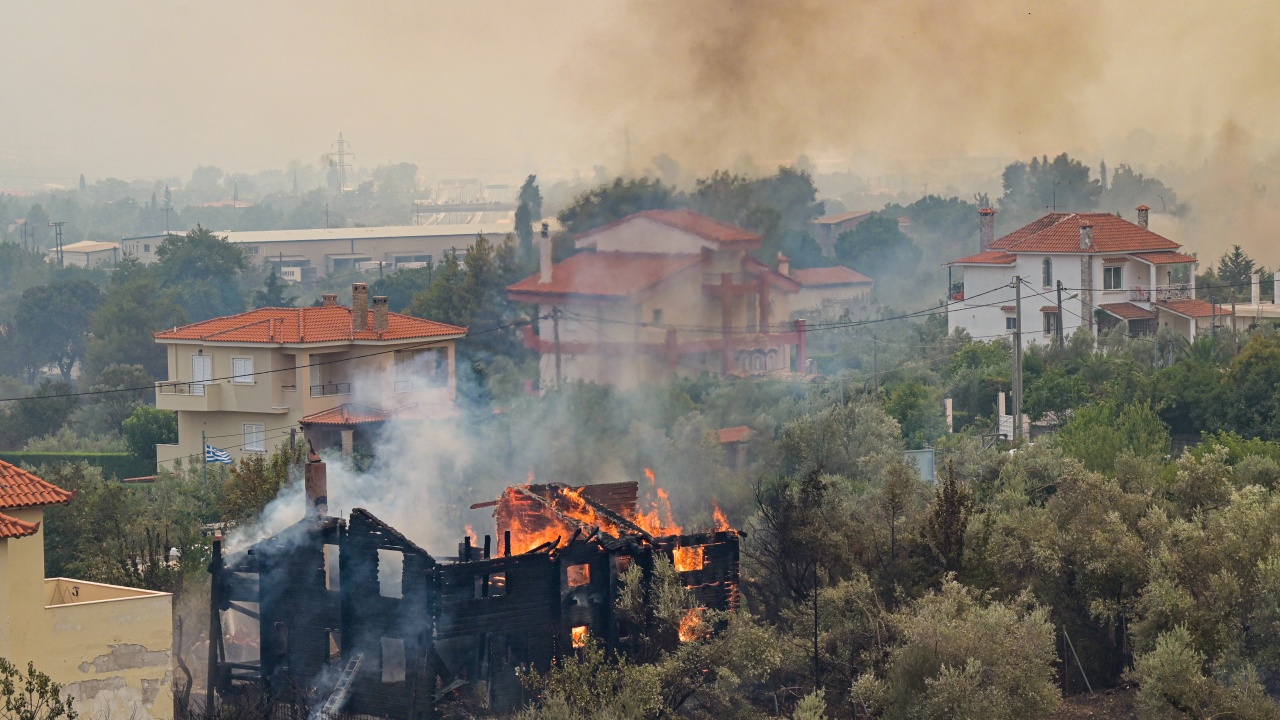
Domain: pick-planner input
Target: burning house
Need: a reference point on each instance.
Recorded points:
(352, 615)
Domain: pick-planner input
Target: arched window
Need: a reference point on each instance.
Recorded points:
(1048, 272)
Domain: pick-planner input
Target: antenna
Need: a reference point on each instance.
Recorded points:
(338, 159)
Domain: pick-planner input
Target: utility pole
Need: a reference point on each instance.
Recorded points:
(204, 464)
(235, 202)
(555, 335)
(1059, 328)
(57, 234)
(168, 208)
(875, 361)
(1017, 360)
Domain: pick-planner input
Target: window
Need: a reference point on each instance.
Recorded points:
(688, 559)
(578, 575)
(146, 248)
(393, 665)
(497, 584)
(579, 635)
(418, 369)
(335, 644)
(242, 370)
(1011, 323)
(1048, 272)
(1112, 279)
(332, 572)
(255, 437)
(1050, 323)
(390, 573)
(201, 373)
(657, 316)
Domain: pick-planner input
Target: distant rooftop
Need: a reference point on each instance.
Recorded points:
(369, 233)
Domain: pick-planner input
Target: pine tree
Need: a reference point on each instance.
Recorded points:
(1234, 271)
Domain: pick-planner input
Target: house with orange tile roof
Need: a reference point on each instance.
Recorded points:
(658, 293)
(827, 293)
(246, 382)
(1101, 271)
(109, 646)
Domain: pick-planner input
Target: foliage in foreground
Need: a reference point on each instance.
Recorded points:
(32, 695)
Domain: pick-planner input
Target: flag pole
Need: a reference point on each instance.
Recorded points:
(204, 458)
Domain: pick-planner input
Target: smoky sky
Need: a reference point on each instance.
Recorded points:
(147, 89)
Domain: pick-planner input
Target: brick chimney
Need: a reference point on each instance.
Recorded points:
(380, 317)
(1143, 211)
(784, 265)
(1086, 236)
(329, 299)
(360, 306)
(544, 256)
(986, 228)
(316, 483)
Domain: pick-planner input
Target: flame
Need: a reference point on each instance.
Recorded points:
(470, 532)
(579, 634)
(688, 558)
(658, 521)
(721, 522)
(690, 626)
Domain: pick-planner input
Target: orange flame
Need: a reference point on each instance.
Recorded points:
(469, 532)
(691, 626)
(580, 635)
(649, 474)
(721, 522)
(658, 521)
(687, 559)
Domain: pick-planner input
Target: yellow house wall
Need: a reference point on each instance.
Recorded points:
(112, 656)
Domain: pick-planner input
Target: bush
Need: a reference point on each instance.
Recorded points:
(117, 465)
(148, 427)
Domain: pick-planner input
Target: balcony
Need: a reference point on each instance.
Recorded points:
(188, 396)
(330, 389)
(1162, 293)
(416, 384)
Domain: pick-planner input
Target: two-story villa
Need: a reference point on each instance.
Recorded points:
(657, 293)
(1111, 272)
(246, 381)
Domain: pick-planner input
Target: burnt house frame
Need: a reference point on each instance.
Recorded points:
(482, 620)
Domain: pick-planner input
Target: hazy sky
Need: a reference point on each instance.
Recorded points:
(145, 89)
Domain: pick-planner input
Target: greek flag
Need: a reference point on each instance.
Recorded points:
(214, 455)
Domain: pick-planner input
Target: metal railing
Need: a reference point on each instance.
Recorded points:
(330, 389)
(181, 388)
(1161, 293)
(402, 386)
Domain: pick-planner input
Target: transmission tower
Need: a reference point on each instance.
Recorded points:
(338, 160)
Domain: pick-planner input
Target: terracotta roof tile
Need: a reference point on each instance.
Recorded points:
(1060, 233)
(1009, 308)
(690, 222)
(11, 528)
(305, 325)
(1128, 311)
(1048, 308)
(1165, 258)
(838, 275)
(1193, 308)
(19, 489)
(841, 217)
(742, 433)
(606, 274)
(990, 257)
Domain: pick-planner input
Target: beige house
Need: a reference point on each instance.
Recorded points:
(658, 293)
(110, 647)
(827, 292)
(244, 382)
(87, 254)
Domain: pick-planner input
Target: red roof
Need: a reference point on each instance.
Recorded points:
(21, 489)
(606, 274)
(690, 222)
(742, 433)
(305, 325)
(1009, 308)
(1166, 258)
(1128, 311)
(1049, 308)
(11, 528)
(352, 414)
(1193, 308)
(838, 275)
(1060, 233)
(990, 257)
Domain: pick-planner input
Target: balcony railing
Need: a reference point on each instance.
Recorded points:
(1161, 293)
(181, 388)
(330, 389)
(403, 386)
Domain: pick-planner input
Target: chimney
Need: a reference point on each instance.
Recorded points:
(986, 228)
(1256, 283)
(544, 256)
(380, 317)
(1086, 236)
(315, 480)
(784, 265)
(329, 299)
(1143, 210)
(359, 306)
